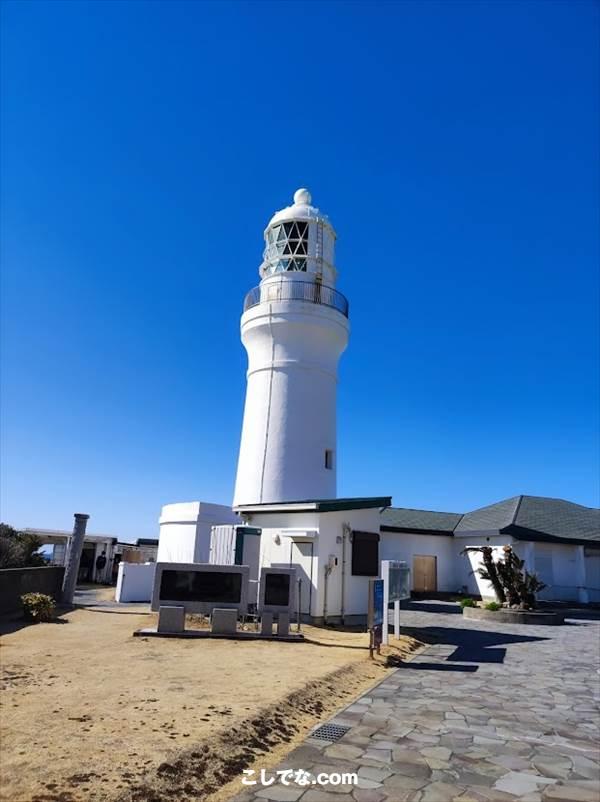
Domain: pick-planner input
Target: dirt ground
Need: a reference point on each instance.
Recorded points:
(91, 713)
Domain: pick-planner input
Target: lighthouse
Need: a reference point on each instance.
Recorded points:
(294, 328)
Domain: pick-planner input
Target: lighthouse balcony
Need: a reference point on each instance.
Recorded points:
(306, 291)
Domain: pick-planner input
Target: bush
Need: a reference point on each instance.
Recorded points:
(38, 606)
(19, 549)
(493, 606)
(467, 603)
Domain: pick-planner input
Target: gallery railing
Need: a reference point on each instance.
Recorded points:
(286, 290)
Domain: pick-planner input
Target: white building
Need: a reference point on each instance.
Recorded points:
(93, 547)
(295, 327)
(559, 540)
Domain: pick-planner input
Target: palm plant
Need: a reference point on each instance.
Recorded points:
(511, 581)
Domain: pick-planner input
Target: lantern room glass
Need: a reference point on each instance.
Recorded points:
(287, 248)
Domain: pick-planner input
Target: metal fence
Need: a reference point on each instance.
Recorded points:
(307, 291)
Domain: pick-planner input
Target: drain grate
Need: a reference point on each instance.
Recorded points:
(330, 732)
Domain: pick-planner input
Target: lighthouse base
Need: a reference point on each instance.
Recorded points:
(185, 530)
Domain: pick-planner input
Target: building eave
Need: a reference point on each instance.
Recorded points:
(413, 531)
(522, 533)
(317, 505)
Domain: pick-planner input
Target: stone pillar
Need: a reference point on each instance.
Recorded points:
(581, 575)
(74, 558)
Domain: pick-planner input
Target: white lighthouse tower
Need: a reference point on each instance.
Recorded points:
(294, 328)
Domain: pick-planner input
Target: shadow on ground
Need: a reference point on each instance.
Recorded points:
(437, 667)
(10, 623)
(472, 645)
(448, 608)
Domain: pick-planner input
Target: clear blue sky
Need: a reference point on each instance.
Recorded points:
(145, 145)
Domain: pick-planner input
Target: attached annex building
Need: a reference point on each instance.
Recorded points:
(558, 540)
(337, 545)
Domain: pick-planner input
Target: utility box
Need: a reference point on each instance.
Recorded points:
(135, 582)
(238, 545)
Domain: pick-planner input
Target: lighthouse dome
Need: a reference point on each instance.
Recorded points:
(300, 238)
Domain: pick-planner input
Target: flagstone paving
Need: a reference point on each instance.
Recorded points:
(487, 713)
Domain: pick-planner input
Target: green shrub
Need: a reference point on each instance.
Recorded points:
(38, 606)
(493, 606)
(467, 603)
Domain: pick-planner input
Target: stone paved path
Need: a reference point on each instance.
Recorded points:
(488, 713)
(93, 598)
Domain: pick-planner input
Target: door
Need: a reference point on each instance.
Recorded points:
(424, 573)
(301, 558)
(86, 564)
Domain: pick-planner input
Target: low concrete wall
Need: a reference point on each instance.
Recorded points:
(14, 582)
(514, 616)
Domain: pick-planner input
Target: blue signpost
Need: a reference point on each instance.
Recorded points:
(376, 611)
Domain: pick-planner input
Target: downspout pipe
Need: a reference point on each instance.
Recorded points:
(346, 529)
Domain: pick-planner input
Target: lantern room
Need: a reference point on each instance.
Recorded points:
(300, 239)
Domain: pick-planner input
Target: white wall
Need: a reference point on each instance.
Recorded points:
(185, 530)
(356, 587)
(466, 565)
(299, 529)
(556, 564)
(288, 550)
(564, 583)
(455, 570)
(290, 410)
(592, 574)
(404, 546)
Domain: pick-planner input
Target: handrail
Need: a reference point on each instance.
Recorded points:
(308, 291)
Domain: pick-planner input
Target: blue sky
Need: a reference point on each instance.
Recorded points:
(145, 145)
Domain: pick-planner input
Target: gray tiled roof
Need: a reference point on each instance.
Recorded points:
(494, 516)
(559, 518)
(523, 517)
(550, 517)
(418, 520)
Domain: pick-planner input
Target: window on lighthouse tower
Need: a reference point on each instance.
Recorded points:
(287, 247)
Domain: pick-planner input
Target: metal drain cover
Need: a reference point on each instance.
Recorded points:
(330, 732)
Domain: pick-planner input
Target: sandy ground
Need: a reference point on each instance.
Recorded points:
(91, 713)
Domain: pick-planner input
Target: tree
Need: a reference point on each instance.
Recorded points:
(19, 549)
(512, 582)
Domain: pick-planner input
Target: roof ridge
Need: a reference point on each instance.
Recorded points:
(458, 522)
(517, 508)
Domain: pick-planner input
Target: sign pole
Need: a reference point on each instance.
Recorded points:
(385, 575)
(370, 616)
(378, 613)
(397, 619)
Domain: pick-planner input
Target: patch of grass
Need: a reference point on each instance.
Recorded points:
(467, 603)
(493, 606)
